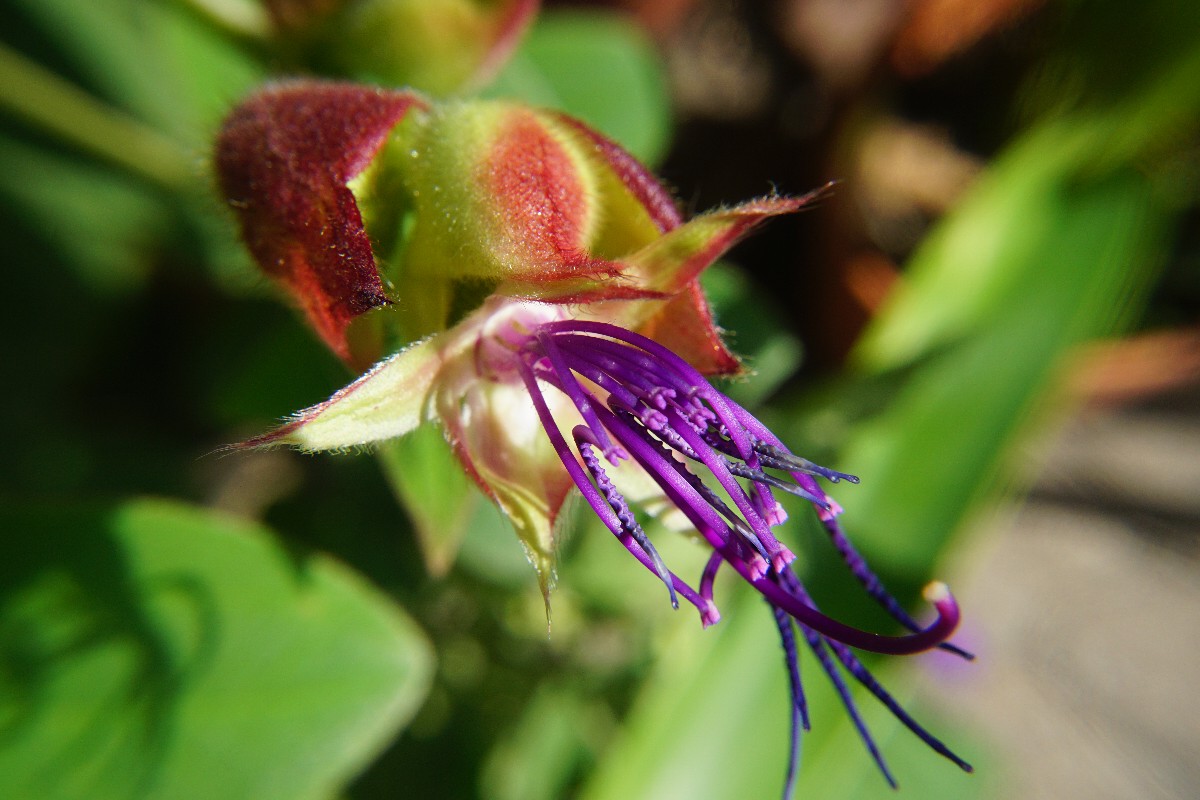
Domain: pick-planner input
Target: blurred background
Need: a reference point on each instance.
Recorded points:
(993, 321)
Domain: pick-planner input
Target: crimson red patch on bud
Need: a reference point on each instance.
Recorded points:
(283, 160)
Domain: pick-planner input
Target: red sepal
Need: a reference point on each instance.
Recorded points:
(283, 159)
(685, 325)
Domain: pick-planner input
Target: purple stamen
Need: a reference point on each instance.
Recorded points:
(717, 465)
(738, 426)
(666, 473)
(708, 612)
(712, 498)
(799, 721)
(643, 402)
(677, 432)
(924, 639)
(710, 575)
(693, 382)
(770, 508)
(581, 399)
(584, 441)
(791, 462)
(874, 586)
(816, 643)
(776, 456)
(860, 673)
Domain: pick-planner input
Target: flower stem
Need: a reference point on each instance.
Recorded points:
(42, 99)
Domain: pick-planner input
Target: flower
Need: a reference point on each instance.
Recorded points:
(581, 368)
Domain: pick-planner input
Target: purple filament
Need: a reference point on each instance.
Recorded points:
(791, 657)
(641, 402)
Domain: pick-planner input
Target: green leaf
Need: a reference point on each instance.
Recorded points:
(1056, 245)
(435, 491)
(103, 223)
(597, 67)
(690, 734)
(991, 253)
(947, 437)
(536, 759)
(151, 58)
(152, 650)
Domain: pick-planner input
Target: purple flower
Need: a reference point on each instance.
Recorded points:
(581, 369)
(626, 416)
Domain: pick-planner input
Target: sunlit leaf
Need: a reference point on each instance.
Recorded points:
(154, 650)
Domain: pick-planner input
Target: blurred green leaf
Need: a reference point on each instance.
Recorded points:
(432, 486)
(151, 58)
(598, 67)
(943, 443)
(50, 104)
(107, 43)
(434, 46)
(991, 253)
(536, 760)
(102, 222)
(690, 734)
(151, 649)
(1056, 245)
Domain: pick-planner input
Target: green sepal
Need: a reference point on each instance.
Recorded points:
(389, 401)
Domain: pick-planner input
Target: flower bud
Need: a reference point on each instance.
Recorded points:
(436, 46)
(461, 200)
(500, 192)
(291, 17)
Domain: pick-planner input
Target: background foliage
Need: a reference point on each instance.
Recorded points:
(271, 630)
